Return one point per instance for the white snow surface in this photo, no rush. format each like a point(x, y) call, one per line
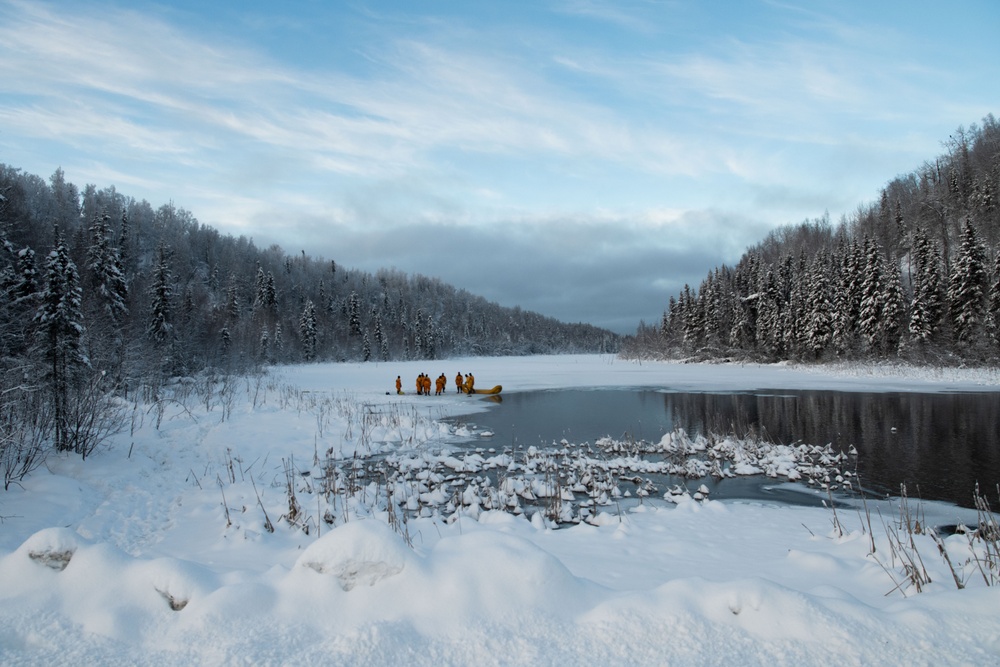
point(155, 550)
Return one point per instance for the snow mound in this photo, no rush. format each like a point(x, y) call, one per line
point(100, 588)
point(499, 575)
point(359, 552)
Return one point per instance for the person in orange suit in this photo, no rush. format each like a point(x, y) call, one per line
point(458, 383)
point(399, 385)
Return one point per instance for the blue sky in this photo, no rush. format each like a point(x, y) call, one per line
point(581, 159)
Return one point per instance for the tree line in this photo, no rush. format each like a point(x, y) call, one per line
point(101, 293)
point(914, 275)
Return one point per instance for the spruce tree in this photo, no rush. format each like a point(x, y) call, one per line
point(819, 326)
point(107, 275)
point(264, 347)
point(260, 290)
point(270, 293)
point(711, 320)
point(925, 306)
point(993, 315)
point(279, 341)
point(872, 296)
point(233, 299)
point(308, 331)
point(892, 309)
point(418, 341)
point(354, 314)
point(60, 334)
point(769, 316)
point(378, 335)
point(24, 286)
point(160, 327)
point(795, 315)
point(841, 335)
point(968, 289)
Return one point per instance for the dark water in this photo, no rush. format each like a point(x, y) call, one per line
point(939, 445)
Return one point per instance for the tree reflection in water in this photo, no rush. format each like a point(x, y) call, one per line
point(939, 445)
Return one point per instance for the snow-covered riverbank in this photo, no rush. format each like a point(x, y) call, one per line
point(182, 543)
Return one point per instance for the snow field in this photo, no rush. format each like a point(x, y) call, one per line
point(132, 558)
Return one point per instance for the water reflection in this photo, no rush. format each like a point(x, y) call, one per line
point(940, 445)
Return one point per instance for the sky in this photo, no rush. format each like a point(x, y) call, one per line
point(580, 159)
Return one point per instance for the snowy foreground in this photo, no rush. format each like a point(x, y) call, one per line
point(180, 545)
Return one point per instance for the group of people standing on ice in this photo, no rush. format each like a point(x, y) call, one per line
point(464, 384)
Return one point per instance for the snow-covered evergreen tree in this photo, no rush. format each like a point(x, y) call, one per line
point(925, 306)
point(264, 347)
point(711, 320)
point(233, 299)
point(741, 333)
point(59, 321)
point(841, 332)
point(795, 316)
point(893, 307)
point(694, 320)
point(125, 252)
point(769, 316)
point(418, 339)
point(270, 293)
point(819, 300)
point(25, 283)
point(160, 327)
point(354, 314)
point(260, 290)
point(380, 343)
point(429, 336)
point(870, 322)
point(308, 331)
point(968, 289)
point(107, 275)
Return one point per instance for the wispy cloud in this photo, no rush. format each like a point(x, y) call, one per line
point(628, 15)
point(146, 78)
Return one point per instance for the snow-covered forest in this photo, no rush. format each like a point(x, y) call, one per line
point(914, 275)
point(101, 295)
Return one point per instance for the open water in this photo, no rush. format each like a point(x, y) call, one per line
point(939, 445)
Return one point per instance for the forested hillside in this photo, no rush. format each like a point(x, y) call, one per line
point(914, 275)
point(101, 294)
